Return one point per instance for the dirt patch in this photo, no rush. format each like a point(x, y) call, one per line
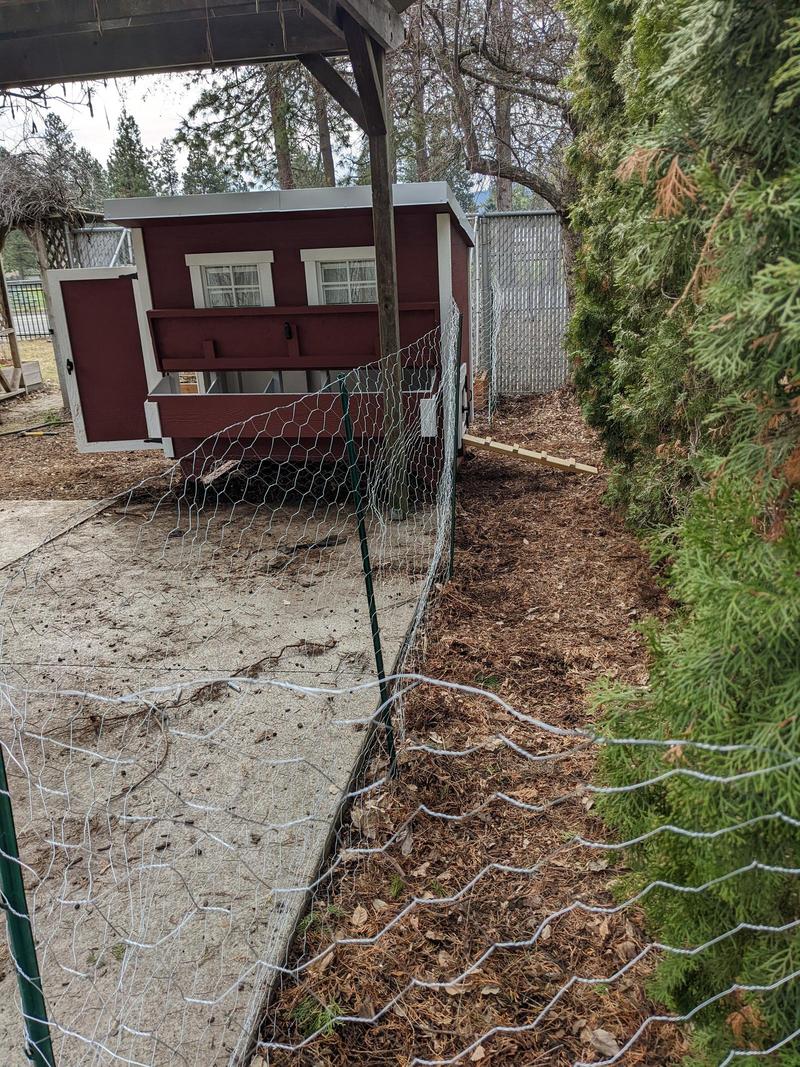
point(112, 796)
point(51, 467)
point(547, 583)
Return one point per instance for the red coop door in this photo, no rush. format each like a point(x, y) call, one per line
point(102, 353)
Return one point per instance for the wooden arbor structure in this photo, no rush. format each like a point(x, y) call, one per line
point(53, 41)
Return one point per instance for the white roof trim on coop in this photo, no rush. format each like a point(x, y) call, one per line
point(142, 208)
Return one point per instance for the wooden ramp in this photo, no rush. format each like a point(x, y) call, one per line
point(486, 444)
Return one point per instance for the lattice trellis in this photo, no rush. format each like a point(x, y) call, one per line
point(56, 245)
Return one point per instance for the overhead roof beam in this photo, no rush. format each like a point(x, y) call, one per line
point(180, 44)
point(339, 89)
point(368, 77)
point(45, 41)
point(74, 16)
point(379, 19)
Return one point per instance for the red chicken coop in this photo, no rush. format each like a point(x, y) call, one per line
point(243, 306)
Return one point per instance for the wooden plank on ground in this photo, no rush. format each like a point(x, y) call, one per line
point(219, 470)
point(544, 459)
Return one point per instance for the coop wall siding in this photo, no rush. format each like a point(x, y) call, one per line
point(167, 244)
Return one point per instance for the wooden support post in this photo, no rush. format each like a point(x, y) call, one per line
point(5, 314)
point(36, 237)
point(367, 59)
point(389, 320)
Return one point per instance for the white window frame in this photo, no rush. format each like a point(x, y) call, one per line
point(195, 261)
point(313, 258)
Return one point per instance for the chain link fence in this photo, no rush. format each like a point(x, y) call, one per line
point(520, 303)
point(100, 246)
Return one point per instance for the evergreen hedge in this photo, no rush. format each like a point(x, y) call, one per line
point(686, 344)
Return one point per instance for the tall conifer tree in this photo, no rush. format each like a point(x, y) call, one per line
point(129, 169)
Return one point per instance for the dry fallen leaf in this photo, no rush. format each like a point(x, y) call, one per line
point(604, 1042)
point(626, 950)
point(322, 965)
point(434, 935)
point(359, 917)
point(490, 990)
point(478, 1055)
point(407, 842)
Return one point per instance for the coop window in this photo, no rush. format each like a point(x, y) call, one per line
point(231, 279)
point(231, 287)
point(348, 281)
point(340, 275)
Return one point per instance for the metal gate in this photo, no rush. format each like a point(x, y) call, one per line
point(520, 302)
point(28, 308)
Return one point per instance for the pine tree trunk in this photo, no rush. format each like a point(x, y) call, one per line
point(502, 121)
point(502, 116)
point(391, 103)
point(418, 121)
point(324, 131)
point(280, 130)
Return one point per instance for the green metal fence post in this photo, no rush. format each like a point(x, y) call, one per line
point(456, 429)
point(20, 933)
point(355, 482)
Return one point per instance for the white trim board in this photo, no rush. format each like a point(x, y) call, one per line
point(411, 194)
point(444, 264)
point(143, 300)
point(312, 257)
point(64, 352)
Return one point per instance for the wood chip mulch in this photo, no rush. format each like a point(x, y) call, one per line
point(52, 468)
point(547, 583)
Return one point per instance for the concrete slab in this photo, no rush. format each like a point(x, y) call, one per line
point(24, 524)
point(161, 833)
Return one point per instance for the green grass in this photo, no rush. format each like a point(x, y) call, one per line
point(318, 920)
point(311, 1017)
point(396, 887)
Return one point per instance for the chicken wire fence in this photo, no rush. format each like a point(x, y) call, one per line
point(240, 840)
point(303, 543)
point(163, 909)
point(520, 303)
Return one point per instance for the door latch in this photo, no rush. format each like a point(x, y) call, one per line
point(70, 367)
